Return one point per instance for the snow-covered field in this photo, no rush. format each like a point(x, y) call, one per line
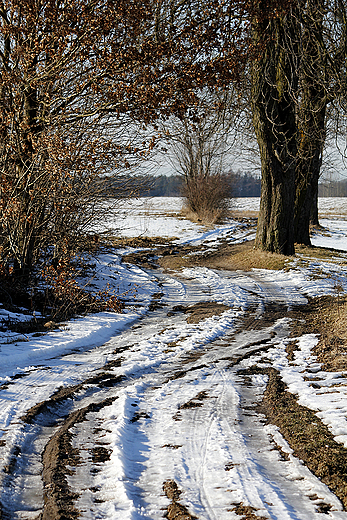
point(176, 411)
point(160, 216)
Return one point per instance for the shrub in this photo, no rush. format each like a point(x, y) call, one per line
point(206, 197)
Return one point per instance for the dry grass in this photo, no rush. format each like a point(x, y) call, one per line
point(238, 214)
point(251, 258)
point(310, 439)
point(326, 316)
point(319, 252)
point(228, 256)
point(140, 241)
point(207, 217)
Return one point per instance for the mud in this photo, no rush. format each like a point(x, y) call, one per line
point(200, 311)
point(196, 402)
point(272, 313)
point(307, 435)
point(105, 379)
point(175, 511)
point(310, 439)
point(247, 512)
point(58, 457)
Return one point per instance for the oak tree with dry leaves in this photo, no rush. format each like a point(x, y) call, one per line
point(79, 80)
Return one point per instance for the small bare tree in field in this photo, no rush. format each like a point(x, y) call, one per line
point(199, 143)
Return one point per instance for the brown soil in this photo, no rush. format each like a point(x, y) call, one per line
point(308, 436)
point(141, 242)
point(175, 511)
point(228, 256)
point(310, 439)
point(200, 311)
point(58, 457)
point(104, 379)
point(246, 512)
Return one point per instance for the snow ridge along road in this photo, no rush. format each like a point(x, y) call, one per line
point(96, 433)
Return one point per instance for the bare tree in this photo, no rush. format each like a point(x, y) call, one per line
point(301, 73)
point(274, 80)
point(323, 45)
point(199, 145)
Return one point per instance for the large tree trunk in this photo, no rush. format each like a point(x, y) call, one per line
point(274, 120)
point(308, 171)
point(314, 220)
point(311, 120)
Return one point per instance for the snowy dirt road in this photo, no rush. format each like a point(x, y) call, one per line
point(97, 433)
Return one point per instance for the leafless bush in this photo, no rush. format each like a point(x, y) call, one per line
point(206, 197)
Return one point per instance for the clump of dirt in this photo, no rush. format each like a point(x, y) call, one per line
point(100, 454)
point(202, 310)
point(196, 402)
point(247, 512)
point(310, 439)
point(156, 303)
point(9, 468)
point(175, 511)
point(291, 347)
point(140, 415)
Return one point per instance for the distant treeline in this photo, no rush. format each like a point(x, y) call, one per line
point(240, 185)
point(333, 188)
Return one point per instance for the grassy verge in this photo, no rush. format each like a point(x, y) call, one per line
point(310, 439)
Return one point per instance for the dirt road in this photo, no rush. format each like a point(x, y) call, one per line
point(164, 419)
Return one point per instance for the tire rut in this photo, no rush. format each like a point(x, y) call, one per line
point(103, 380)
point(58, 455)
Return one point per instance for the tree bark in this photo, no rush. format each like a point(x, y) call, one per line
point(314, 220)
point(307, 177)
point(311, 120)
point(274, 120)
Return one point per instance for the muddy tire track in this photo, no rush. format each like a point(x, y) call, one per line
point(175, 511)
point(58, 455)
point(62, 453)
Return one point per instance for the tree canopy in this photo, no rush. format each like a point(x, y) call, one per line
point(79, 79)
